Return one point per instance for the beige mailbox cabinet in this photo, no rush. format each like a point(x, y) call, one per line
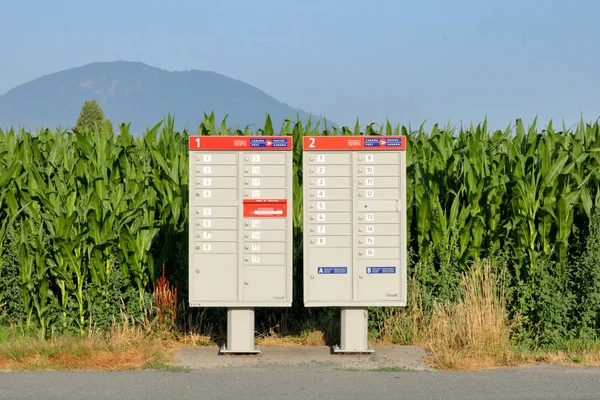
point(354, 196)
point(240, 236)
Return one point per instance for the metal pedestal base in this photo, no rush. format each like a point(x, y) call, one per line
point(240, 332)
point(354, 331)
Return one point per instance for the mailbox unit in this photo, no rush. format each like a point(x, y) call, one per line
point(354, 202)
point(240, 235)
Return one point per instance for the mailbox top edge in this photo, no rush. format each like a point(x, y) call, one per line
point(354, 143)
point(240, 143)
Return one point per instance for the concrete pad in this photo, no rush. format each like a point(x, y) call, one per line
point(396, 357)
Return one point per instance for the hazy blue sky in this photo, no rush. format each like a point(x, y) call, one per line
point(408, 61)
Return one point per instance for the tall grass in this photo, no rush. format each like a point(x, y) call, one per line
point(86, 219)
point(474, 328)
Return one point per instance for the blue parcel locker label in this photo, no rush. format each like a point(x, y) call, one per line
point(332, 270)
point(381, 270)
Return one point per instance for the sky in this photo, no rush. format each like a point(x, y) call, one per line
point(410, 62)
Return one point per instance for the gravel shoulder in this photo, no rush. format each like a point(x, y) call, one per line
point(388, 357)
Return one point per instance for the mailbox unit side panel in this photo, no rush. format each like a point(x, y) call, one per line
point(289, 237)
point(403, 231)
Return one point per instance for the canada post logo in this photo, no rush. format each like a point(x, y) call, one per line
point(383, 142)
point(269, 143)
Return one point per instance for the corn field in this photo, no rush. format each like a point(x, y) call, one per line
point(88, 220)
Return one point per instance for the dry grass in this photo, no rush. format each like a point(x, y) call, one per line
point(125, 347)
point(472, 332)
point(306, 338)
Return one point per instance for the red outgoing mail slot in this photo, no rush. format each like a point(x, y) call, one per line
point(265, 208)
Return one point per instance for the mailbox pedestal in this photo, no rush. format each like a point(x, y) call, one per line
point(240, 232)
point(354, 205)
point(240, 331)
point(354, 331)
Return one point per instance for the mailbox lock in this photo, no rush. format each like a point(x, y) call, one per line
point(360, 229)
point(360, 182)
point(360, 218)
point(197, 181)
point(246, 283)
point(197, 223)
point(312, 170)
point(312, 195)
point(359, 158)
point(246, 158)
point(312, 159)
point(312, 229)
point(246, 170)
point(311, 206)
point(246, 236)
point(198, 212)
point(312, 182)
point(360, 276)
point(360, 242)
point(246, 247)
point(245, 194)
point(360, 171)
point(197, 235)
point(246, 182)
point(197, 247)
point(360, 253)
point(359, 194)
point(312, 242)
point(312, 277)
point(197, 194)
point(197, 271)
point(246, 224)
point(311, 218)
point(246, 259)
point(197, 158)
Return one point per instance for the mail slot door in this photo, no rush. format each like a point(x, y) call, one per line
point(252, 158)
point(380, 229)
point(264, 236)
point(217, 211)
point(378, 171)
point(377, 158)
point(260, 193)
point(216, 158)
point(215, 171)
point(329, 182)
point(264, 170)
point(330, 205)
point(265, 223)
point(378, 182)
point(329, 170)
point(329, 194)
point(329, 218)
point(330, 241)
point(264, 182)
point(330, 229)
point(328, 158)
point(225, 182)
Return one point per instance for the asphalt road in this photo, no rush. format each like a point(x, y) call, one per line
point(306, 382)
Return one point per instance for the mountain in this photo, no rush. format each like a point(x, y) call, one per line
point(142, 95)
